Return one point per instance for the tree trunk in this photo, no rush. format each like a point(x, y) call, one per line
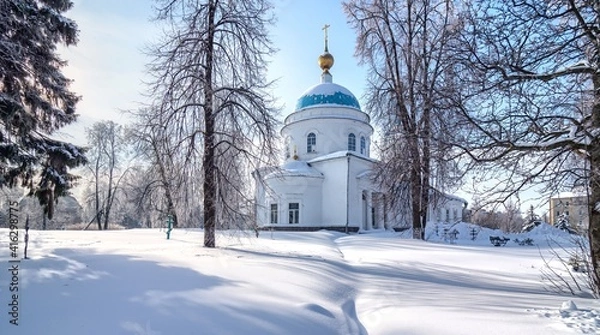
point(108, 200)
point(97, 197)
point(111, 153)
point(208, 162)
point(425, 169)
point(415, 198)
point(165, 184)
point(594, 217)
point(594, 200)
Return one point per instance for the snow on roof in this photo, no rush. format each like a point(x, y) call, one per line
point(327, 94)
point(295, 169)
point(449, 196)
point(365, 174)
point(339, 154)
point(563, 195)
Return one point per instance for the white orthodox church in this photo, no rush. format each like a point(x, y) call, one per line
point(325, 181)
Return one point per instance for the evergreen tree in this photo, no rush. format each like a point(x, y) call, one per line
point(35, 99)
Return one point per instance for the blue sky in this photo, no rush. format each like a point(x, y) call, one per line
point(107, 65)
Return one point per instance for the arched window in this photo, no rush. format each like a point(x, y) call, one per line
point(287, 147)
point(363, 145)
point(351, 142)
point(311, 142)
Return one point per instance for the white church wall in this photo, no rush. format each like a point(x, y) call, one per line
point(306, 191)
point(261, 205)
point(334, 191)
point(358, 167)
point(331, 125)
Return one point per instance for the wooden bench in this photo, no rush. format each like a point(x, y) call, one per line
point(499, 241)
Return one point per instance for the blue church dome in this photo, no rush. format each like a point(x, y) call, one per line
point(327, 94)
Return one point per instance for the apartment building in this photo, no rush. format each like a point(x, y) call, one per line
point(572, 205)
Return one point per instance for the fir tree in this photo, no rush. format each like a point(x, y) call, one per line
point(35, 99)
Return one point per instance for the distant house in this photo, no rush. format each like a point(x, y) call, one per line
point(446, 208)
point(571, 205)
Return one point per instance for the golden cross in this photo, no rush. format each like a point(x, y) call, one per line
point(325, 27)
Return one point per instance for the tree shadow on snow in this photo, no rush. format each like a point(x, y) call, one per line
point(86, 292)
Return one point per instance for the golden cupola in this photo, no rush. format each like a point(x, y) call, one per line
point(326, 59)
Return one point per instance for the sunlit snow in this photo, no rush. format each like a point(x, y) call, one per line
point(138, 282)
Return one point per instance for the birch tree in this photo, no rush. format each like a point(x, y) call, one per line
point(533, 103)
point(405, 45)
point(210, 82)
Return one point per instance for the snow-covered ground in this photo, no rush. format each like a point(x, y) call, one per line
point(137, 282)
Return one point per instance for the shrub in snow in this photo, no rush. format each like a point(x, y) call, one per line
point(563, 224)
point(526, 241)
point(568, 306)
point(577, 263)
point(529, 227)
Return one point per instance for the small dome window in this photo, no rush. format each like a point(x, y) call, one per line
point(351, 142)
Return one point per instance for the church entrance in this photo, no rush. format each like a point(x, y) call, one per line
point(372, 214)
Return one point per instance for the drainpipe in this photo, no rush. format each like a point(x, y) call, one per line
point(347, 192)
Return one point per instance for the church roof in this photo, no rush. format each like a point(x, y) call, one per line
point(327, 94)
point(295, 168)
point(339, 154)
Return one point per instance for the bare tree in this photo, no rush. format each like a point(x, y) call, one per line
point(171, 178)
point(533, 98)
point(107, 146)
point(405, 44)
point(505, 216)
point(210, 82)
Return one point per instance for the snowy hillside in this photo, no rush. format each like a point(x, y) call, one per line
point(137, 282)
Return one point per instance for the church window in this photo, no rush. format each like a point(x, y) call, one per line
point(294, 212)
point(351, 142)
point(363, 145)
point(274, 213)
point(447, 215)
point(311, 142)
point(287, 147)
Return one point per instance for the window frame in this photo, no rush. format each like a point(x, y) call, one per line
point(351, 142)
point(311, 142)
point(274, 213)
point(293, 213)
point(363, 145)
